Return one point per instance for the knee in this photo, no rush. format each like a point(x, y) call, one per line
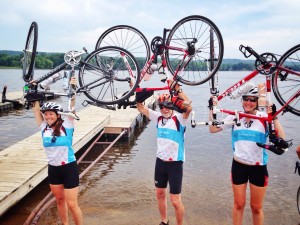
point(60, 200)
point(256, 208)
point(239, 205)
point(160, 194)
point(72, 205)
point(176, 202)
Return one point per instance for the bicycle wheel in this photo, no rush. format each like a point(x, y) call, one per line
point(209, 47)
point(109, 75)
point(285, 85)
point(129, 38)
point(30, 52)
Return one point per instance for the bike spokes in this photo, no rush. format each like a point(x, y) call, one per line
point(286, 80)
point(107, 74)
point(203, 43)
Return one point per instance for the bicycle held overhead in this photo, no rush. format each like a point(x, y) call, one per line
point(281, 76)
point(189, 53)
point(107, 65)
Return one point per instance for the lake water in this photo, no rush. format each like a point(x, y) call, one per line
point(120, 190)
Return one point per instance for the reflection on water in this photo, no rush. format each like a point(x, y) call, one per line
point(120, 190)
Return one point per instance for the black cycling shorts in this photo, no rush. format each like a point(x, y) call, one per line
point(171, 172)
point(67, 175)
point(241, 173)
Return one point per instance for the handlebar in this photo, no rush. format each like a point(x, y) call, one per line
point(70, 114)
point(213, 122)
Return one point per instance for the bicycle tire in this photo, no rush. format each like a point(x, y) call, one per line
point(129, 38)
point(198, 70)
point(284, 84)
point(105, 78)
point(28, 60)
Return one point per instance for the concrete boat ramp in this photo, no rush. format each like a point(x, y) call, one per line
point(23, 165)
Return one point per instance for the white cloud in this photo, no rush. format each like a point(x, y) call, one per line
point(271, 25)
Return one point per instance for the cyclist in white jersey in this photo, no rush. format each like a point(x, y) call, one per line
point(170, 150)
point(63, 176)
point(249, 161)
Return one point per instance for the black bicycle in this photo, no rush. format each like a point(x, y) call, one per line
point(101, 71)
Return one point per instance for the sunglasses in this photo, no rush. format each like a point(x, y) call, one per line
point(246, 99)
point(167, 105)
point(161, 106)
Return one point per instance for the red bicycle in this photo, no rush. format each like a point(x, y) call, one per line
point(190, 53)
point(282, 76)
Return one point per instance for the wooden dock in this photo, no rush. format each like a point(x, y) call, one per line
point(23, 165)
point(7, 106)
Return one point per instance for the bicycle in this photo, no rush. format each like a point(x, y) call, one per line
point(105, 65)
point(282, 75)
point(297, 168)
point(192, 51)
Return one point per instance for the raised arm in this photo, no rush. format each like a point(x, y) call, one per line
point(37, 113)
point(277, 124)
point(73, 82)
point(279, 128)
point(142, 109)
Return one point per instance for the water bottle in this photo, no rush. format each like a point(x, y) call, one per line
point(46, 83)
point(150, 71)
point(242, 90)
point(262, 103)
point(66, 80)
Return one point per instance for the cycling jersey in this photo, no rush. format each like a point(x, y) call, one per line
point(170, 136)
point(59, 150)
point(244, 138)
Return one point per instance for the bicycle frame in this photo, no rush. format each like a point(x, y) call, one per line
point(268, 95)
point(153, 59)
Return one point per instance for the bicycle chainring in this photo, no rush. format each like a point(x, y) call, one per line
point(269, 67)
point(71, 58)
point(155, 45)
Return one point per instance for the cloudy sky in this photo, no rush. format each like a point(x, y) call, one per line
point(265, 25)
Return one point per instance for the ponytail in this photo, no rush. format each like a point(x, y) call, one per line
point(58, 125)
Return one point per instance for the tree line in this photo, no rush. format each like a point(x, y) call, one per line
point(51, 60)
point(42, 60)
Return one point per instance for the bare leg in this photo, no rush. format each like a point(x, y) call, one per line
point(239, 194)
point(179, 208)
point(162, 203)
point(257, 195)
point(72, 203)
point(58, 192)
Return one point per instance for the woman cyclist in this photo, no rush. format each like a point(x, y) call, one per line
point(57, 135)
point(249, 160)
point(170, 150)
